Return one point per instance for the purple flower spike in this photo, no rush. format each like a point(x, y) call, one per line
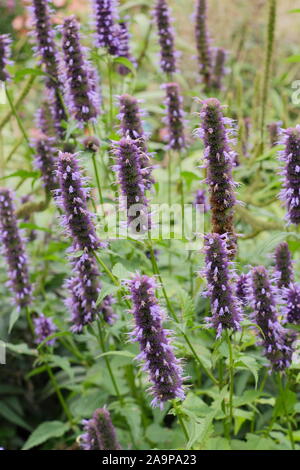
point(80, 77)
point(45, 161)
point(132, 183)
point(132, 126)
point(291, 173)
point(45, 119)
point(219, 68)
point(292, 308)
point(219, 162)
point(72, 197)
point(13, 250)
point(44, 327)
point(201, 200)
point(175, 116)
point(275, 339)
point(107, 311)
point(99, 432)
point(166, 37)
point(105, 12)
point(124, 49)
point(274, 132)
point(203, 43)
point(5, 54)
point(242, 288)
point(156, 349)
point(284, 265)
point(85, 288)
point(47, 50)
point(226, 312)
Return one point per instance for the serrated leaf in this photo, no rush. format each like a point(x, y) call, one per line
point(106, 289)
point(120, 271)
point(44, 432)
point(14, 316)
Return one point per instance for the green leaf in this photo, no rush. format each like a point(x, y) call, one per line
point(120, 271)
point(106, 289)
point(30, 226)
point(293, 59)
point(25, 174)
point(127, 63)
point(21, 348)
point(11, 416)
point(46, 431)
point(117, 353)
point(14, 316)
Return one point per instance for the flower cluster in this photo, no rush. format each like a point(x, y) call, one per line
point(242, 288)
point(201, 200)
point(291, 173)
point(219, 162)
point(5, 54)
point(203, 43)
point(219, 68)
point(105, 12)
point(292, 308)
point(45, 160)
point(132, 183)
point(275, 339)
point(13, 250)
point(44, 327)
point(284, 265)
point(226, 311)
point(99, 432)
point(174, 118)
point(166, 37)
point(156, 349)
point(274, 132)
point(107, 311)
point(45, 119)
point(72, 197)
point(80, 78)
point(124, 49)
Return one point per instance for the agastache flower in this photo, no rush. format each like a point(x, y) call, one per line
point(226, 311)
point(175, 115)
point(284, 265)
point(277, 341)
point(45, 161)
point(219, 68)
point(47, 50)
point(14, 251)
point(132, 183)
point(219, 163)
point(291, 173)
point(132, 126)
point(107, 310)
point(99, 432)
point(5, 53)
point(124, 49)
point(84, 288)
point(291, 310)
point(106, 14)
point(44, 327)
point(166, 37)
point(203, 43)
point(45, 119)
point(80, 77)
point(72, 197)
point(201, 200)
point(274, 132)
point(157, 351)
point(242, 288)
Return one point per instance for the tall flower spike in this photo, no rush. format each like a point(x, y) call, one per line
point(166, 37)
point(284, 265)
point(44, 327)
point(124, 49)
point(105, 12)
point(242, 288)
point(225, 306)
point(107, 311)
point(132, 183)
point(84, 288)
point(291, 173)
point(99, 432)
point(174, 118)
point(156, 349)
point(201, 200)
point(132, 126)
point(80, 78)
point(219, 68)
point(47, 50)
point(13, 250)
point(219, 162)
point(275, 339)
point(45, 161)
point(45, 119)
point(203, 43)
point(5, 54)
point(72, 197)
point(291, 310)
point(274, 132)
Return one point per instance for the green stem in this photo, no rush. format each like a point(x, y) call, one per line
point(182, 424)
point(282, 392)
point(231, 378)
point(29, 320)
point(21, 97)
point(59, 394)
point(15, 114)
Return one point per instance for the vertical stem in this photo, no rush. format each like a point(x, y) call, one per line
point(59, 394)
point(231, 375)
point(15, 114)
point(282, 393)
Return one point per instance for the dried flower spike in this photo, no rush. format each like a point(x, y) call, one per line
point(156, 348)
point(13, 250)
point(225, 306)
point(44, 327)
point(203, 43)
point(45, 161)
point(80, 78)
point(291, 173)
point(5, 54)
point(284, 265)
point(219, 68)
point(72, 197)
point(275, 339)
point(99, 432)
point(166, 37)
point(174, 118)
